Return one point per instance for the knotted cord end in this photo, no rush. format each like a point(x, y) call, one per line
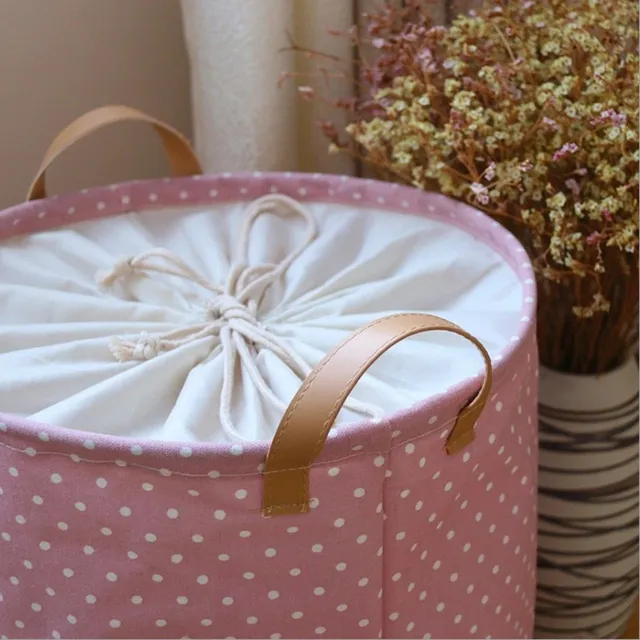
point(122, 268)
point(145, 347)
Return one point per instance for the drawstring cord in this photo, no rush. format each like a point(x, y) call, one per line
point(231, 313)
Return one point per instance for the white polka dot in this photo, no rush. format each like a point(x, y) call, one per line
point(447, 487)
point(440, 607)
point(249, 575)
point(339, 522)
point(236, 450)
point(379, 461)
point(101, 482)
point(89, 444)
point(219, 514)
point(125, 512)
point(206, 622)
point(436, 565)
point(161, 623)
point(13, 472)
point(43, 436)
point(317, 548)
point(44, 545)
point(197, 538)
point(136, 450)
point(341, 607)
point(359, 493)
point(453, 577)
point(27, 564)
point(396, 576)
point(202, 579)
point(37, 500)
point(320, 630)
point(91, 599)
point(227, 601)
point(498, 406)
point(105, 531)
point(150, 537)
point(341, 566)
point(80, 506)
point(137, 599)
point(132, 555)
point(172, 514)
point(295, 572)
point(176, 558)
point(363, 623)
point(213, 474)
point(241, 494)
point(361, 539)
point(410, 447)
point(401, 536)
point(114, 624)
point(13, 580)
point(423, 596)
point(405, 493)
point(111, 577)
point(56, 478)
point(88, 550)
point(252, 620)
point(481, 558)
point(147, 486)
point(296, 615)
point(182, 600)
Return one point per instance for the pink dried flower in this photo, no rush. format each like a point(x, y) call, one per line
point(574, 186)
point(612, 116)
point(378, 43)
point(594, 237)
point(490, 171)
point(549, 122)
point(606, 214)
point(481, 193)
point(566, 150)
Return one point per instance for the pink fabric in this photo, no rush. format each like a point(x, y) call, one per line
point(104, 537)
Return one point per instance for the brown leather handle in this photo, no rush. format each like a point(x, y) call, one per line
point(305, 425)
point(181, 156)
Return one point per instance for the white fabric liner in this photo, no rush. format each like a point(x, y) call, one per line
point(57, 324)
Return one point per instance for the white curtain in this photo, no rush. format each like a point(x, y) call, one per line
point(242, 119)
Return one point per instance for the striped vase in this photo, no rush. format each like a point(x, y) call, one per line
point(588, 503)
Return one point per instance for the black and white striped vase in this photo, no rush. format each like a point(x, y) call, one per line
point(588, 503)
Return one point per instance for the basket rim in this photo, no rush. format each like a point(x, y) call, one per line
point(135, 196)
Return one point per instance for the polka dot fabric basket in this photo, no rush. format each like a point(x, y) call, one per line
point(184, 451)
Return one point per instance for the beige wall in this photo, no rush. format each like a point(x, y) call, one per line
point(59, 58)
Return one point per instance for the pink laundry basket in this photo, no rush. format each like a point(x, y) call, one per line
point(420, 524)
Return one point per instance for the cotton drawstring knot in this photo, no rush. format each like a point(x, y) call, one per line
point(230, 312)
point(225, 308)
point(122, 268)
